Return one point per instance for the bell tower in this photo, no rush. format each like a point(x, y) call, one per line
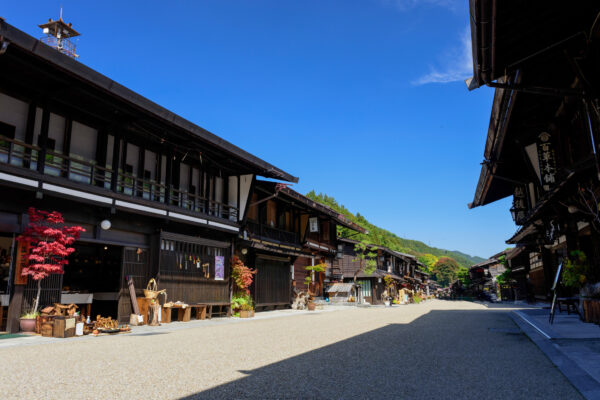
point(58, 35)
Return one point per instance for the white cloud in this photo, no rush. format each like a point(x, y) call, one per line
point(457, 67)
point(404, 5)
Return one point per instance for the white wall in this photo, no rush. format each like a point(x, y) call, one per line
point(219, 189)
point(245, 183)
point(150, 163)
point(56, 131)
point(83, 141)
point(14, 112)
point(110, 145)
point(184, 176)
point(133, 157)
point(232, 193)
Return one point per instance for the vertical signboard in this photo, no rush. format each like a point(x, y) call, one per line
point(21, 262)
point(547, 160)
point(219, 268)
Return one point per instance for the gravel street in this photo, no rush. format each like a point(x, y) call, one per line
point(436, 350)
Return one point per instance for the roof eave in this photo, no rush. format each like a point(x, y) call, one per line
point(89, 76)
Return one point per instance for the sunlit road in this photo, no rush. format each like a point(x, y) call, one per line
point(436, 350)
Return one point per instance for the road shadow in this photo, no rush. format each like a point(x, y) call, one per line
point(441, 355)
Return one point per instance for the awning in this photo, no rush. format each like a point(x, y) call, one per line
point(340, 288)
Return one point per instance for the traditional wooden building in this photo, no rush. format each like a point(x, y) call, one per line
point(158, 195)
point(401, 267)
point(282, 234)
point(542, 141)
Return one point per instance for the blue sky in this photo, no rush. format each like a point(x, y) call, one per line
point(362, 99)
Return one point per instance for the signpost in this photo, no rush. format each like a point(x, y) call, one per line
point(555, 290)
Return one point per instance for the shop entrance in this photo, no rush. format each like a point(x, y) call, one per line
point(272, 285)
point(92, 279)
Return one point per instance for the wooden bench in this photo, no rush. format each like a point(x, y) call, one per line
point(218, 308)
point(184, 314)
point(200, 310)
point(570, 303)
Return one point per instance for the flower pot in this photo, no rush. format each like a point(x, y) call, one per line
point(387, 303)
point(27, 324)
point(311, 306)
point(246, 313)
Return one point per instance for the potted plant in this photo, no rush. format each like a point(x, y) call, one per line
point(242, 276)
point(241, 302)
point(49, 241)
point(27, 322)
point(576, 274)
point(246, 311)
point(389, 288)
point(310, 280)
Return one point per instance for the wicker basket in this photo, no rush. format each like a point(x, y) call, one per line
point(151, 291)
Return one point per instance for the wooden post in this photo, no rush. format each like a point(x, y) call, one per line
point(43, 141)
point(29, 133)
point(67, 147)
point(114, 179)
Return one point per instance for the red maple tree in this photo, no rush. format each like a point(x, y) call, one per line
point(49, 240)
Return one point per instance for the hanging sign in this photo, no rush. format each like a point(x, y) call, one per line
point(219, 268)
point(547, 160)
point(21, 262)
point(313, 224)
point(519, 203)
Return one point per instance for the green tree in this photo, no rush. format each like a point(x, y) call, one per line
point(429, 260)
point(445, 270)
point(366, 254)
point(463, 275)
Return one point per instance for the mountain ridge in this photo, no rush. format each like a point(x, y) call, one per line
point(383, 237)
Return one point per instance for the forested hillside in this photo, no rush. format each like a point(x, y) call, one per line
point(388, 239)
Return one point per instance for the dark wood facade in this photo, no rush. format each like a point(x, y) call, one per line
point(401, 267)
point(293, 232)
point(542, 141)
point(74, 141)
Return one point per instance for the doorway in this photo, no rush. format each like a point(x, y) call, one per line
point(94, 269)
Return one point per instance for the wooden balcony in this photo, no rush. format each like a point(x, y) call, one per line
point(273, 234)
point(24, 156)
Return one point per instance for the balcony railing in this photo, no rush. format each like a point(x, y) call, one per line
point(16, 153)
point(268, 232)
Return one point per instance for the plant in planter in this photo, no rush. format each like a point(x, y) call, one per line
point(576, 270)
point(247, 311)
point(389, 288)
point(49, 242)
point(241, 301)
point(310, 280)
point(576, 274)
point(242, 277)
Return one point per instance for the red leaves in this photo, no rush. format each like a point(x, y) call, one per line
point(242, 275)
point(49, 239)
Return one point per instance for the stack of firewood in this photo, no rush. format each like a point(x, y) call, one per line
point(60, 309)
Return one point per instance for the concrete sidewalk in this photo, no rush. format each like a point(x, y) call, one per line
point(572, 345)
point(145, 330)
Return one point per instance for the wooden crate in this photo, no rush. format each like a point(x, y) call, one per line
point(64, 327)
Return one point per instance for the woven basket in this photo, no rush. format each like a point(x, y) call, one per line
point(151, 291)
